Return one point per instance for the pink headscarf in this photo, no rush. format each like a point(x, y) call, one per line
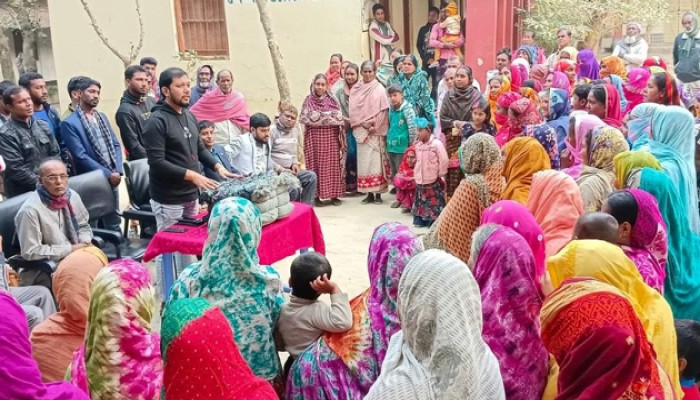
point(505, 100)
point(560, 81)
point(636, 83)
point(516, 78)
point(585, 124)
point(215, 106)
point(366, 101)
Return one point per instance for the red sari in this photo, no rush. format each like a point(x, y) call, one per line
point(613, 108)
point(404, 182)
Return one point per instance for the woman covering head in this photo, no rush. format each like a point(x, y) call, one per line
point(253, 303)
point(568, 53)
point(439, 353)
point(634, 87)
point(521, 112)
point(559, 110)
point(555, 202)
point(588, 67)
point(608, 263)
point(580, 336)
point(576, 142)
point(201, 359)
point(523, 158)
point(20, 376)
point(548, 139)
point(642, 233)
point(55, 339)
point(504, 268)
point(516, 77)
point(325, 143)
point(346, 365)
point(604, 103)
point(568, 68)
point(628, 166)
point(560, 81)
point(515, 216)
point(539, 73)
point(416, 89)
point(481, 162)
point(529, 52)
point(503, 135)
point(612, 65)
point(333, 74)
point(662, 89)
point(618, 83)
point(120, 357)
point(404, 181)
point(494, 94)
point(341, 91)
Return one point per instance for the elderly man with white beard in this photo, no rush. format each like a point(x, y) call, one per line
point(205, 74)
point(633, 49)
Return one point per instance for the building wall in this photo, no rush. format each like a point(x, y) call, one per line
point(308, 31)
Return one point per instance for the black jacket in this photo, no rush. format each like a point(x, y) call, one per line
point(423, 41)
point(132, 114)
point(173, 146)
point(24, 147)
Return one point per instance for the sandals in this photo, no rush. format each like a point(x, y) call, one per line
point(336, 202)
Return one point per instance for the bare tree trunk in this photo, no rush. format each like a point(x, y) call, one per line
point(277, 62)
point(29, 49)
point(6, 66)
point(129, 59)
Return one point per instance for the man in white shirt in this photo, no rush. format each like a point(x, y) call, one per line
point(633, 49)
point(563, 40)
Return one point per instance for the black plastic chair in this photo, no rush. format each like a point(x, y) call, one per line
point(137, 186)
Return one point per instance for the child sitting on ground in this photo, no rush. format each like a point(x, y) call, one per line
point(304, 318)
point(597, 225)
point(451, 25)
point(405, 183)
point(429, 174)
point(480, 121)
point(688, 333)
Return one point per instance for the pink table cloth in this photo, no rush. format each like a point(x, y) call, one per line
point(280, 239)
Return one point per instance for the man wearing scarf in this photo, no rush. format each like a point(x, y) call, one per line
point(52, 222)
point(381, 35)
point(134, 110)
point(686, 54)
point(205, 73)
point(91, 140)
point(633, 49)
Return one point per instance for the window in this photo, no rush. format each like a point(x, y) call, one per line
point(201, 26)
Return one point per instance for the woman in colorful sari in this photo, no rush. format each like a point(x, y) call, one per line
point(498, 86)
point(596, 180)
point(618, 83)
point(345, 365)
point(597, 339)
point(580, 127)
point(521, 112)
point(642, 233)
point(439, 353)
point(404, 182)
point(201, 359)
point(568, 68)
point(559, 109)
point(481, 162)
point(548, 139)
point(515, 76)
point(416, 89)
point(635, 86)
point(612, 65)
point(341, 91)
point(604, 103)
point(504, 267)
point(669, 134)
point(325, 146)
point(662, 89)
point(56, 339)
point(555, 202)
point(523, 158)
point(120, 358)
point(588, 67)
point(253, 303)
point(20, 376)
point(609, 264)
point(628, 167)
point(559, 80)
point(456, 112)
point(568, 53)
point(369, 120)
point(539, 73)
point(502, 118)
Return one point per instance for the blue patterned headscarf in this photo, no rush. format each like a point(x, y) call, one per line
point(559, 109)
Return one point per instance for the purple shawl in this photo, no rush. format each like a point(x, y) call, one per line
point(588, 66)
point(345, 365)
point(511, 303)
point(19, 374)
point(648, 243)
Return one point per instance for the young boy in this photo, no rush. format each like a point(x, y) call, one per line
point(688, 333)
point(597, 225)
point(206, 132)
point(305, 318)
point(429, 173)
point(402, 127)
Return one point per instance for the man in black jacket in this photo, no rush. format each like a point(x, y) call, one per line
point(427, 54)
point(24, 143)
point(134, 110)
point(174, 150)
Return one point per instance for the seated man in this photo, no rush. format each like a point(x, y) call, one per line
point(206, 132)
point(287, 151)
point(36, 301)
point(52, 223)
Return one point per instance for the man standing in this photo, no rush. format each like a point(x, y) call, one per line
point(4, 108)
point(563, 40)
point(686, 56)
point(134, 110)
point(24, 143)
point(74, 93)
point(93, 144)
point(174, 150)
point(151, 66)
point(204, 75)
point(381, 35)
point(427, 53)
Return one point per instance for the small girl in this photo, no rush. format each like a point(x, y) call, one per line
point(429, 174)
point(405, 183)
point(480, 121)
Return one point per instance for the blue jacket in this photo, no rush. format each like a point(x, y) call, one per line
point(221, 156)
point(79, 146)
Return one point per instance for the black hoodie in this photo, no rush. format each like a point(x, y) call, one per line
point(132, 114)
point(173, 146)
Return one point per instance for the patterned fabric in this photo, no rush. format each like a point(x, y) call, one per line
point(121, 355)
point(639, 124)
point(429, 201)
point(609, 264)
point(613, 106)
point(560, 80)
point(588, 323)
point(555, 201)
point(606, 143)
point(373, 169)
point(617, 82)
point(526, 113)
point(453, 141)
point(404, 182)
point(345, 365)
point(439, 353)
point(559, 110)
point(523, 158)
point(539, 72)
point(515, 216)
point(483, 184)
point(505, 88)
point(416, 91)
point(201, 360)
point(547, 137)
point(252, 300)
point(595, 186)
point(648, 247)
point(510, 298)
point(613, 65)
point(99, 135)
point(585, 124)
point(62, 203)
point(503, 135)
point(19, 376)
point(628, 161)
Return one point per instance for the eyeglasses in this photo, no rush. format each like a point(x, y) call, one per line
point(56, 178)
point(562, 36)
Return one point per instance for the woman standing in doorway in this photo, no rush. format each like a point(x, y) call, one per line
point(369, 110)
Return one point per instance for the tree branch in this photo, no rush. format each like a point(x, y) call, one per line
point(134, 53)
point(277, 64)
point(101, 35)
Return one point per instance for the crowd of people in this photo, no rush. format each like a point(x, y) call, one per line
point(561, 205)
